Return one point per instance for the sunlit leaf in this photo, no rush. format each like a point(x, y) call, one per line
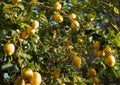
point(115, 26)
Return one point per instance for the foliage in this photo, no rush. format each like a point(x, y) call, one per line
point(55, 44)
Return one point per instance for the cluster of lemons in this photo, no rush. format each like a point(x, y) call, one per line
point(106, 52)
point(9, 48)
point(28, 77)
point(92, 73)
point(59, 18)
point(30, 30)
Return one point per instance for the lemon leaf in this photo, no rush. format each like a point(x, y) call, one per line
point(116, 10)
point(115, 26)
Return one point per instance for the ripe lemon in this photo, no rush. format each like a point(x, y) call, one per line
point(72, 16)
point(69, 47)
point(16, 1)
point(30, 31)
point(92, 72)
point(80, 40)
point(57, 17)
point(96, 45)
point(27, 74)
point(36, 79)
point(57, 6)
point(100, 53)
point(56, 73)
point(96, 80)
point(63, 84)
point(27, 84)
point(110, 60)
point(35, 24)
point(19, 81)
point(9, 48)
point(76, 61)
point(73, 53)
point(75, 25)
point(24, 35)
point(107, 50)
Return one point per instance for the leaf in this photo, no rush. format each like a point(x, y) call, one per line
point(116, 10)
point(115, 26)
point(117, 39)
point(74, 2)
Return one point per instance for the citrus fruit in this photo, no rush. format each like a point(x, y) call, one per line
point(27, 74)
point(36, 79)
point(72, 16)
point(110, 60)
point(76, 61)
point(96, 80)
point(35, 24)
point(9, 48)
point(80, 40)
point(16, 1)
point(19, 81)
point(30, 31)
point(96, 45)
point(75, 25)
point(24, 35)
point(100, 53)
point(92, 72)
point(56, 73)
point(57, 6)
point(107, 50)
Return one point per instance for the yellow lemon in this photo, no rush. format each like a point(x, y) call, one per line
point(56, 73)
point(107, 50)
point(110, 60)
point(80, 40)
point(100, 53)
point(19, 81)
point(57, 6)
point(75, 25)
point(96, 45)
point(36, 79)
point(16, 1)
point(92, 72)
point(24, 35)
point(57, 17)
point(35, 24)
point(9, 48)
point(96, 80)
point(30, 31)
point(27, 74)
point(76, 61)
point(72, 16)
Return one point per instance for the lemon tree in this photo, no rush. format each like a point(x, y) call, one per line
point(59, 42)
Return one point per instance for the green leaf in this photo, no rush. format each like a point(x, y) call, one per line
point(74, 2)
point(115, 26)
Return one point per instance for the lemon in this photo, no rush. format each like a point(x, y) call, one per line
point(16, 1)
point(35, 24)
point(63, 84)
point(80, 40)
point(36, 79)
point(107, 50)
point(24, 35)
point(76, 61)
point(110, 60)
point(9, 48)
point(27, 74)
point(56, 73)
point(96, 45)
point(96, 80)
point(57, 6)
point(30, 31)
point(27, 84)
point(75, 25)
point(100, 53)
point(72, 16)
point(57, 17)
point(92, 72)
point(19, 81)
